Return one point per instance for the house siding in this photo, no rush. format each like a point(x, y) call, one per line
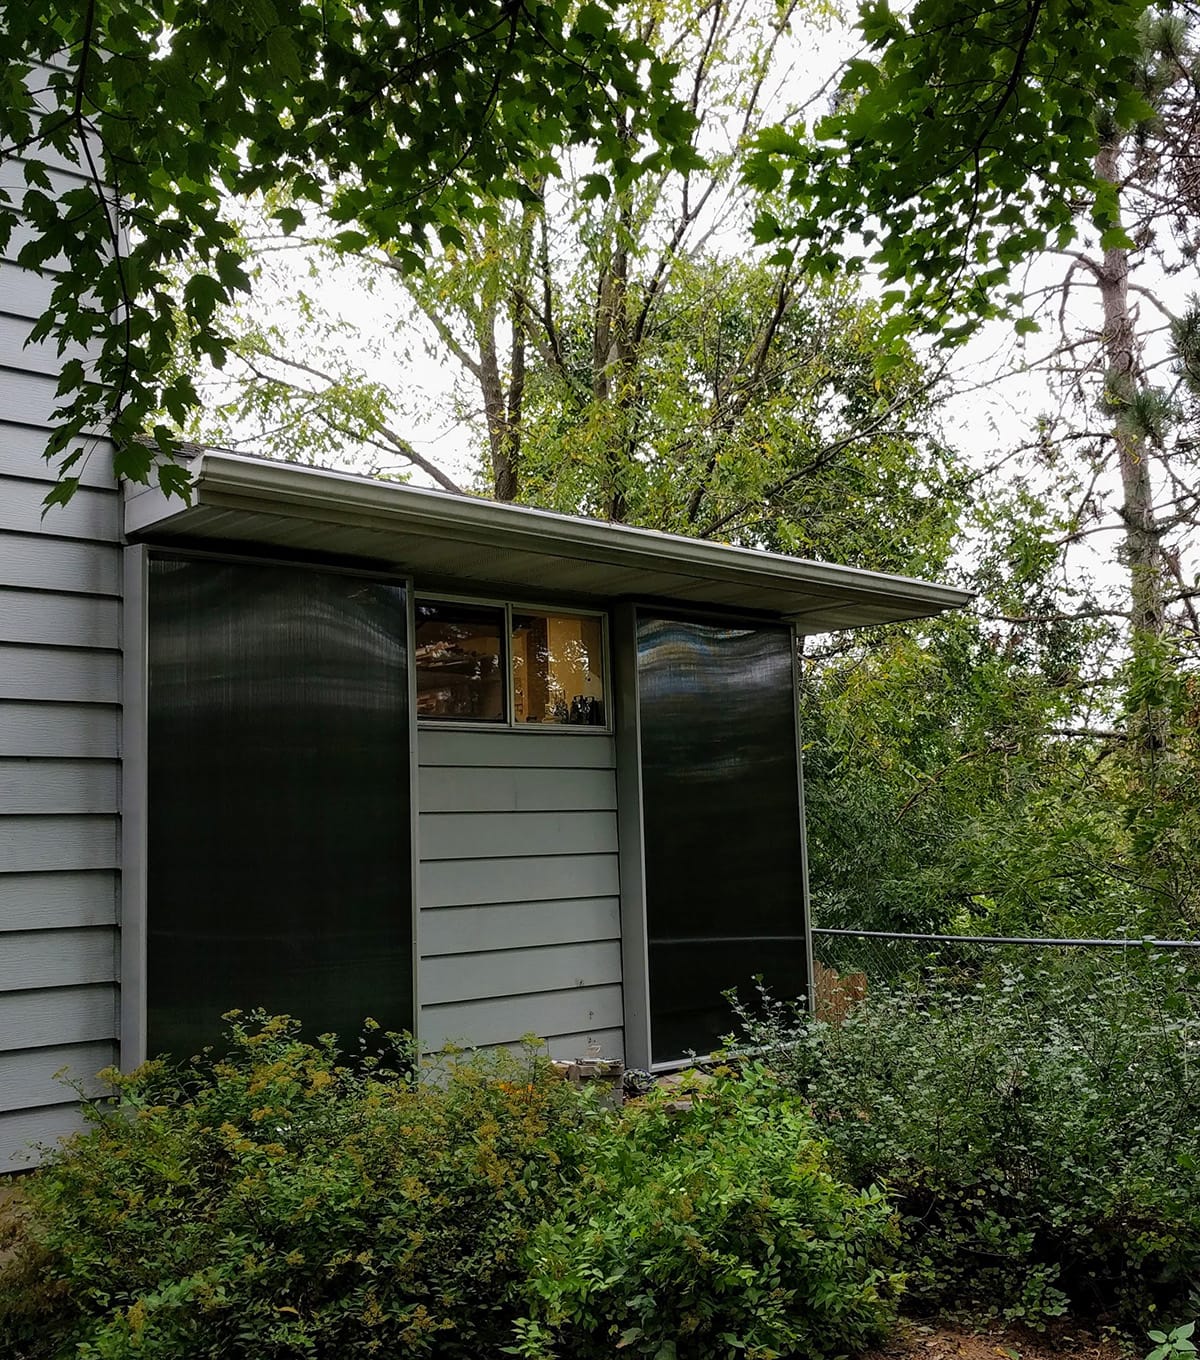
point(519, 913)
point(60, 690)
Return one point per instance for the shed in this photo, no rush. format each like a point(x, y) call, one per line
point(342, 747)
point(346, 748)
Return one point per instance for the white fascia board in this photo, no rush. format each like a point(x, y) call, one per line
point(236, 482)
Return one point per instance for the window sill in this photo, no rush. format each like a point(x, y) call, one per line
point(466, 725)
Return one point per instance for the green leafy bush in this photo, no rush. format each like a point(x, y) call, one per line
point(715, 1232)
point(282, 1203)
point(1175, 1345)
point(1042, 1144)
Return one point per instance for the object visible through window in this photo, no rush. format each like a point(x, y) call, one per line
point(558, 669)
point(460, 662)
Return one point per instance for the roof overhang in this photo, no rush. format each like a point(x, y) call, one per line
point(513, 550)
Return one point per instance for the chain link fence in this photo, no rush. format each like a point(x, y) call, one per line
point(850, 965)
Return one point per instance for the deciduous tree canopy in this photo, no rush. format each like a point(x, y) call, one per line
point(1032, 764)
point(401, 122)
point(958, 144)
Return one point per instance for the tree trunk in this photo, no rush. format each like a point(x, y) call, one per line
point(503, 403)
point(502, 436)
point(611, 363)
point(1142, 546)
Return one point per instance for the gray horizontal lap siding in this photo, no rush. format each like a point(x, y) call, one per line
point(519, 921)
point(60, 689)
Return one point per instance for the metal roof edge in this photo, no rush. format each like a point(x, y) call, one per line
point(249, 483)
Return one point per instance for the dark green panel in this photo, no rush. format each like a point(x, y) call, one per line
point(721, 810)
point(279, 807)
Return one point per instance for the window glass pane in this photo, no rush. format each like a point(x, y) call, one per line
point(558, 669)
point(460, 655)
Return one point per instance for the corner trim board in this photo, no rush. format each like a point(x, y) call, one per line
point(635, 952)
point(131, 943)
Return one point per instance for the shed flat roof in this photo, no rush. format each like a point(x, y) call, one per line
point(510, 549)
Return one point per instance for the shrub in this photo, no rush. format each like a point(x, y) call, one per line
point(281, 1202)
point(1041, 1144)
point(715, 1232)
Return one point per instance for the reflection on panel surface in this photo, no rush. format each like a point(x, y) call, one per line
point(721, 814)
point(279, 829)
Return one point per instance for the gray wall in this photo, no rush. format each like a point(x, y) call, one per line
point(60, 689)
point(518, 927)
point(519, 921)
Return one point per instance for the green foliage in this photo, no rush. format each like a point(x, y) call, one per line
point(713, 1232)
point(1160, 811)
point(281, 1202)
point(296, 379)
point(984, 772)
point(958, 147)
point(614, 363)
point(988, 777)
point(935, 797)
point(420, 117)
point(1174, 1345)
point(1037, 1128)
point(749, 410)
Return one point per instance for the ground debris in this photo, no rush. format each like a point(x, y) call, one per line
point(919, 1340)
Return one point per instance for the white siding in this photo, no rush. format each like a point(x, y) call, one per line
point(60, 674)
point(519, 920)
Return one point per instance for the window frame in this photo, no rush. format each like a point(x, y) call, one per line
point(509, 722)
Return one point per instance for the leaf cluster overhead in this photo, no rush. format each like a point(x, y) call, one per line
point(399, 122)
point(959, 144)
